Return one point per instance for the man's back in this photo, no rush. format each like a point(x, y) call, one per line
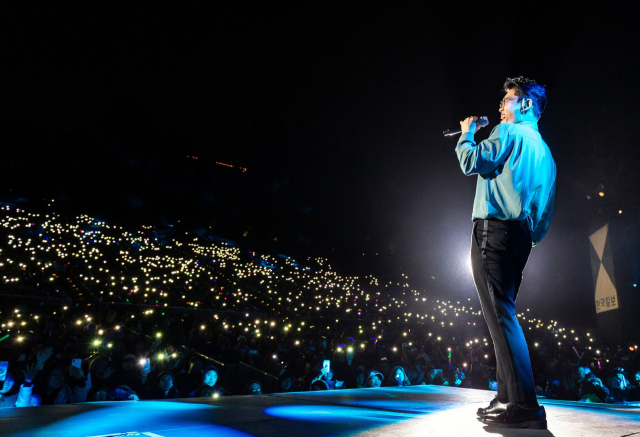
point(516, 175)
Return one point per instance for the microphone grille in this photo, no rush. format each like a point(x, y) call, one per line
point(482, 121)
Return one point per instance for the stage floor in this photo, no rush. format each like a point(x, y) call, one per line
point(411, 411)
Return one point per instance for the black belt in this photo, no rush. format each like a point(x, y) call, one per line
point(493, 219)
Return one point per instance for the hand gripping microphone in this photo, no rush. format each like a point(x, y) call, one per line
point(481, 121)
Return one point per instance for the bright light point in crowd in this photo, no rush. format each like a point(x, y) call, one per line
point(349, 350)
point(79, 322)
point(20, 338)
point(215, 395)
point(117, 327)
point(142, 362)
point(201, 326)
point(110, 345)
point(160, 356)
point(96, 342)
point(158, 335)
point(339, 349)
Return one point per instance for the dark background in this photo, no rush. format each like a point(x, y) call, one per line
point(336, 112)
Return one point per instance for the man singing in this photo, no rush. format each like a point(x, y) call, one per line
point(511, 213)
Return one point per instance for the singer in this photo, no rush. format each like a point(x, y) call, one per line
point(511, 213)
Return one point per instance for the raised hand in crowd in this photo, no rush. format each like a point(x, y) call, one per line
point(30, 373)
point(43, 356)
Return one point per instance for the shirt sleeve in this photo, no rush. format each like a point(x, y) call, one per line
point(485, 157)
point(24, 396)
point(542, 227)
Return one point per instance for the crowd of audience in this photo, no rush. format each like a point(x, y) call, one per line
point(93, 312)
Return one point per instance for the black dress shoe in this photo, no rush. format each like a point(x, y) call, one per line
point(495, 406)
point(517, 416)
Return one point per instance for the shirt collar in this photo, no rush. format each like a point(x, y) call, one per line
point(532, 124)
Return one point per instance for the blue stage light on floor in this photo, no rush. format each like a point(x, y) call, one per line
point(335, 415)
point(145, 418)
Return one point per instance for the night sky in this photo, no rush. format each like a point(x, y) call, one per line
point(336, 112)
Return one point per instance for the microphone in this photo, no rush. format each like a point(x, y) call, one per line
point(481, 121)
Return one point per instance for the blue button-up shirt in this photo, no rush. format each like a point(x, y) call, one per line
point(516, 175)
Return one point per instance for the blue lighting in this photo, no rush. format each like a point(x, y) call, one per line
point(336, 415)
point(161, 418)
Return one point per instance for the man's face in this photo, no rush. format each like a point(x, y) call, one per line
point(509, 106)
point(166, 382)
point(56, 379)
point(374, 382)
point(210, 378)
point(286, 383)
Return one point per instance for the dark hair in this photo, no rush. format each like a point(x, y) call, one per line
point(528, 89)
point(209, 369)
point(204, 391)
point(159, 377)
point(319, 384)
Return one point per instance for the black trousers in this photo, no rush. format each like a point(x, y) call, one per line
point(499, 253)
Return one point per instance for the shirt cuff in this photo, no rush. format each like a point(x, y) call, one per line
point(466, 137)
